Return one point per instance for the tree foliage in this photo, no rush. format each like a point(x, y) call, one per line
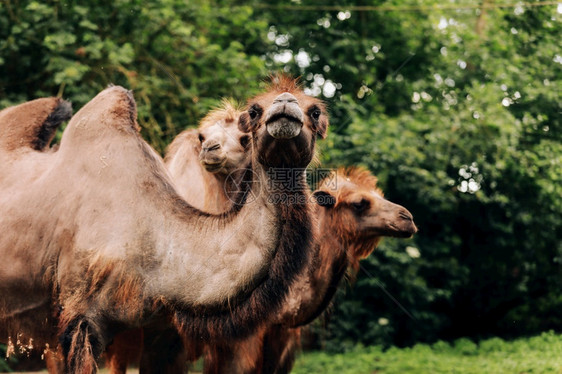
point(457, 111)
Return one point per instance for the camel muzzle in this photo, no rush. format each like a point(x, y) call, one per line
point(284, 119)
point(284, 128)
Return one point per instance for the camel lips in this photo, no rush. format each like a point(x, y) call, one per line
point(284, 127)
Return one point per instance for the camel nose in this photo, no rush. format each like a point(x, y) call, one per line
point(285, 97)
point(210, 145)
point(410, 226)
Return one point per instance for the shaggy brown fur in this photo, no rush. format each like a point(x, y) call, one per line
point(353, 218)
point(104, 199)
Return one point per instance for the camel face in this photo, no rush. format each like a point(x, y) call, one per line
point(285, 123)
point(377, 216)
point(223, 146)
point(361, 208)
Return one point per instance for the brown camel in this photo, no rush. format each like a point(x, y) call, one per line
point(181, 160)
point(353, 218)
point(202, 163)
point(97, 238)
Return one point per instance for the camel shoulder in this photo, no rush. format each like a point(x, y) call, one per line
point(33, 124)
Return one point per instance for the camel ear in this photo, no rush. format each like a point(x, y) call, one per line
point(324, 199)
point(244, 123)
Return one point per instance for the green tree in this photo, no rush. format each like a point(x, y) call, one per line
point(179, 58)
point(466, 134)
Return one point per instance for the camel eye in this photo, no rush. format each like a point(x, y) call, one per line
point(361, 206)
point(244, 140)
point(201, 138)
point(315, 114)
point(254, 112)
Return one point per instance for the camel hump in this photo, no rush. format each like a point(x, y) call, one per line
point(112, 109)
point(32, 124)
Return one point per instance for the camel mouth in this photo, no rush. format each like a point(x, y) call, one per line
point(406, 231)
point(212, 166)
point(284, 126)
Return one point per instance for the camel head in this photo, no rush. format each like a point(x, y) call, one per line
point(223, 145)
point(284, 122)
point(357, 210)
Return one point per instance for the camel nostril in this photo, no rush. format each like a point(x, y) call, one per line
point(404, 214)
point(212, 147)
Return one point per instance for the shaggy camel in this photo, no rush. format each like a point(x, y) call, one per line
point(181, 161)
point(353, 218)
point(97, 238)
point(201, 163)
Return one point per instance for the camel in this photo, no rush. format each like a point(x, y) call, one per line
point(202, 163)
point(31, 125)
point(346, 200)
point(353, 218)
point(99, 240)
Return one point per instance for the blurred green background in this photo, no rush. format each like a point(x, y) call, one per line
point(454, 105)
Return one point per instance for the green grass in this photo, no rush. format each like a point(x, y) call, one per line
point(539, 354)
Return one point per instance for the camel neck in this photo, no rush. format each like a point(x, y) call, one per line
point(284, 215)
point(315, 287)
point(230, 253)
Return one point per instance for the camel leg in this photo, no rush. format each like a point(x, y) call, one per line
point(218, 360)
point(55, 361)
point(280, 346)
point(163, 352)
point(125, 349)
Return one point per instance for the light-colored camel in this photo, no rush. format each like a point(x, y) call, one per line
point(202, 163)
point(353, 218)
point(96, 237)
